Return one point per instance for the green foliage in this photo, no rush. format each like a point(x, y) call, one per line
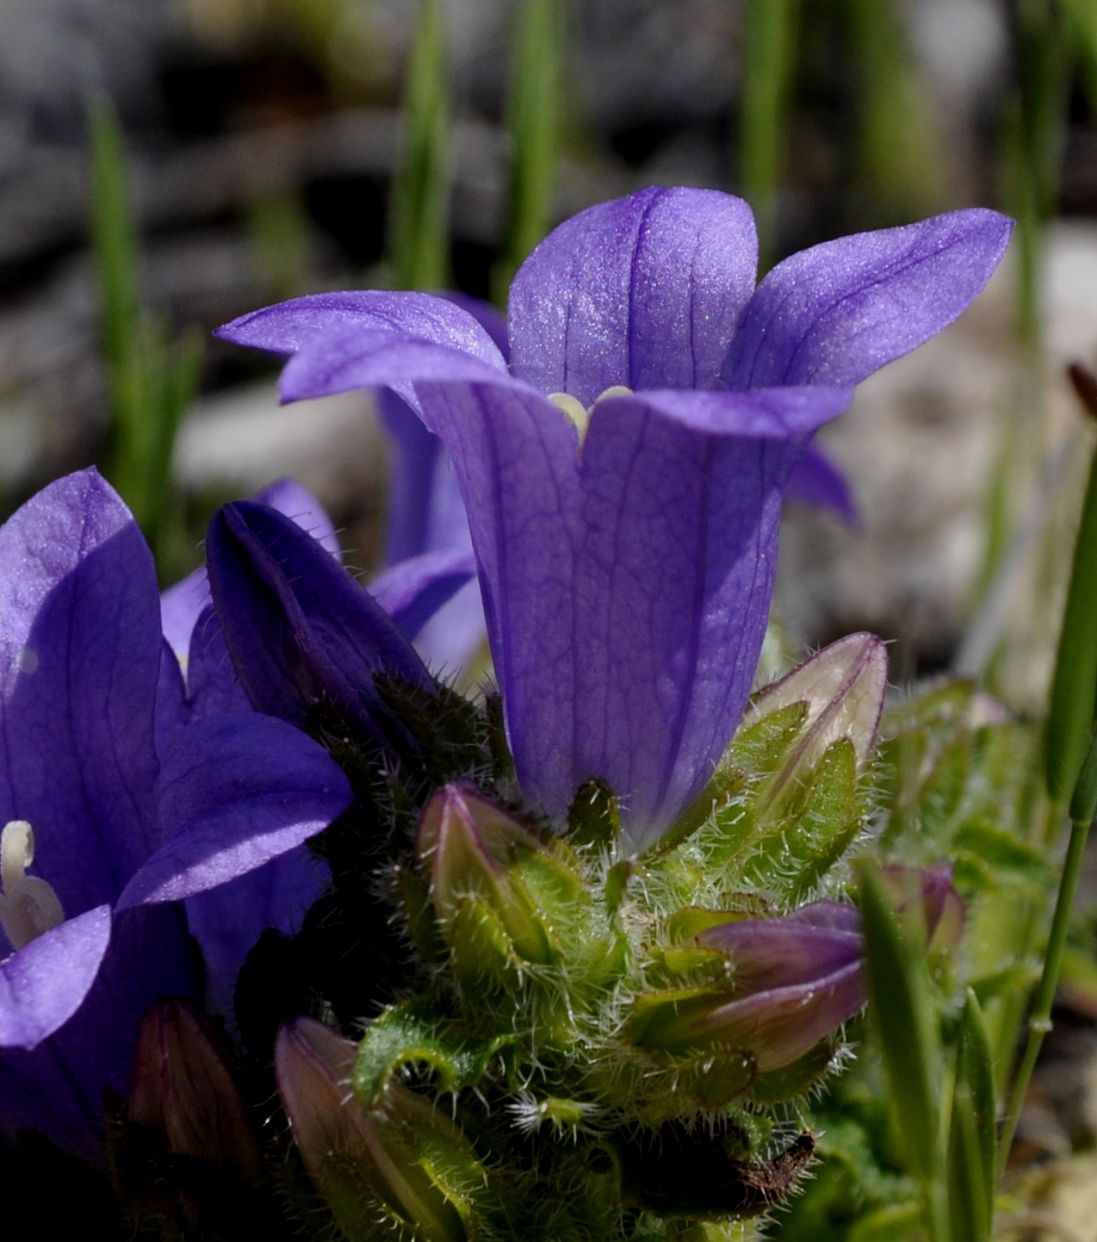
point(418, 236)
point(152, 380)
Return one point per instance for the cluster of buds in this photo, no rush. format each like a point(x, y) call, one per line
point(585, 1007)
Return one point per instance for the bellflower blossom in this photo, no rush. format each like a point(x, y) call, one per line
point(624, 476)
point(104, 833)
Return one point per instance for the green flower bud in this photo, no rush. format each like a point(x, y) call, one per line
point(401, 1162)
point(842, 689)
point(474, 853)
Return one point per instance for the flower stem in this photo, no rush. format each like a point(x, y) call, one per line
point(1040, 1021)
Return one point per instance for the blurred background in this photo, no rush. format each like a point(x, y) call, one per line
point(166, 165)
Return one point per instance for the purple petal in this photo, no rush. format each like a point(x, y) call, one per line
point(182, 604)
point(57, 1089)
point(816, 480)
point(227, 921)
point(682, 502)
point(782, 953)
point(425, 510)
point(79, 666)
point(412, 591)
point(213, 686)
point(644, 291)
point(300, 631)
point(493, 323)
point(45, 982)
point(289, 326)
point(346, 359)
point(839, 311)
point(781, 1025)
point(301, 506)
point(452, 642)
point(516, 458)
point(235, 792)
point(172, 710)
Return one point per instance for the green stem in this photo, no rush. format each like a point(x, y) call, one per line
point(1040, 1021)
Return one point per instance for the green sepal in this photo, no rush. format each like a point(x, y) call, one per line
point(411, 1034)
point(796, 1079)
point(818, 823)
point(594, 817)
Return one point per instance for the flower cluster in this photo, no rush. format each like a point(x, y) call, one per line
point(606, 902)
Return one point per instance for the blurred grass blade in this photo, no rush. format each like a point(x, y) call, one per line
point(767, 75)
point(903, 1015)
point(972, 1155)
point(418, 218)
point(533, 123)
point(151, 384)
point(1074, 683)
point(897, 145)
point(114, 242)
point(1081, 21)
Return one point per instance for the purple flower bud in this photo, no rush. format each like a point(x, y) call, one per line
point(790, 983)
point(926, 894)
point(182, 1088)
point(373, 1165)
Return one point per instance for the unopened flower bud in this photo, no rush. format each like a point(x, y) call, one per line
point(396, 1163)
point(182, 1088)
point(474, 853)
point(790, 983)
point(843, 688)
point(927, 895)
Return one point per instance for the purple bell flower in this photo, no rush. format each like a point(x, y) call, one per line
point(110, 815)
point(624, 476)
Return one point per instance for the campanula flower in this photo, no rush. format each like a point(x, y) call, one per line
point(624, 474)
point(104, 833)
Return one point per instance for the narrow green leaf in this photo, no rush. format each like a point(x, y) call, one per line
point(533, 124)
point(767, 75)
point(1074, 684)
point(418, 219)
point(972, 1155)
point(903, 1014)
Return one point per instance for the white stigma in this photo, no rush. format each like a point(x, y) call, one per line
point(579, 415)
point(28, 905)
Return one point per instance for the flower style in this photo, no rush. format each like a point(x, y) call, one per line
point(623, 478)
point(104, 833)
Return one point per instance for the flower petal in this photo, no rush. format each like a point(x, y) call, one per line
point(425, 510)
point(682, 498)
point(288, 326)
point(235, 792)
point(839, 311)
point(816, 480)
point(45, 982)
point(644, 291)
point(412, 591)
point(227, 921)
point(516, 458)
point(57, 1088)
point(300, 631)
point(182, 603)
point(79, 665)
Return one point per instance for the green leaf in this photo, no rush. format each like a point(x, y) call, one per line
point(418, 220)
point(411, 1034)
point(904, 1017)
point(972, 1157)
point(534, 101)
point(1074, 684)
